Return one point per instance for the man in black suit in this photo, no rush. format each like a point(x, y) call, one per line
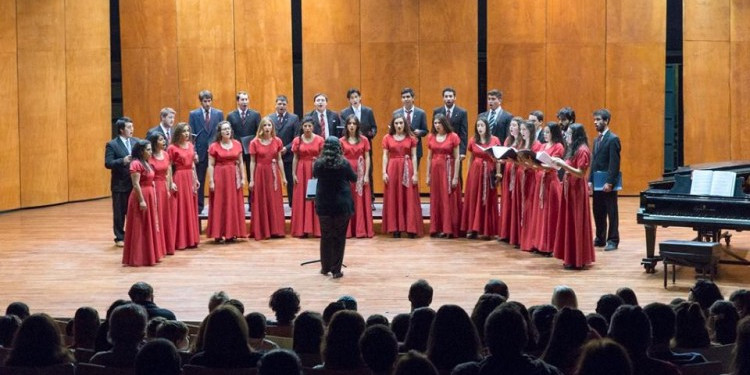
point(117, 159)
point(416, 118)
point(497, 118)
point(287, 127)
point(203, 122)
point(366, 118)
point(143, 294)
point(565, 117)
point(606, 158)
point(244, 122)
point(326, 123)
point(537, 118)
point(457, 116)
point(166, 116)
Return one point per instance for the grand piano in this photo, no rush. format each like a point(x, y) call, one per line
point(668, 203)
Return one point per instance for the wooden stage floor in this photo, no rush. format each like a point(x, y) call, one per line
point(59, 258)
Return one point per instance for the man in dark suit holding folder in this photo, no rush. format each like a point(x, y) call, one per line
point(606, 158)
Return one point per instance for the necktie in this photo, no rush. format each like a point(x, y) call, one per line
point(281, 119)
point(208, 118)
point(491, 120)
point(169, 135)
point(408, 118)
point(323, 127)
point(244, 113)
point(598, 141)
point(448, 114)
point(127, 145)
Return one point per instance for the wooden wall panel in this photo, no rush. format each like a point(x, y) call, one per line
point(41, 102)
point(706, 20)
point(520, 71)
point(740, 21)
point(148, 36)
point(10, 184)
point(740, 99)
point(88, 97)
point(576, 21)
point(263, 52)
point(510, 21)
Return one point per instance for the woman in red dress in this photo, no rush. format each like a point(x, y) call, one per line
point(479, 215)
point(442, 178)
point(226, 178)
point(573, 238)
point(306, 149)
point(266, 179)
point(356, 149)
point(527, 170)
point(508, 205)
point(165, 189)
point(144, 243)
point(548, 192)
point(185, 206)
point(402, 209)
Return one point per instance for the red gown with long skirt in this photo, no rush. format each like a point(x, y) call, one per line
point(402, 209)
point(268, 205)
point(573, 241)
point(548, 206)
point(164, 200)
point(479, 212)
point(507, 207)
point(185, 213)
point(529, 204)
point(445, 200)
point(226, 212)
point(144, 243)
point(304, 219)
point(360, 224)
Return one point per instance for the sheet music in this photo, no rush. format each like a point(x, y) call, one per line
point(701, 184)
point(722, 183)
point(501, 151)
point(546, 160)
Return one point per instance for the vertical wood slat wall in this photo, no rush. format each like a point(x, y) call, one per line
point(55, 116)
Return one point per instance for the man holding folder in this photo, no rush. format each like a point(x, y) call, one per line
point(604, 181)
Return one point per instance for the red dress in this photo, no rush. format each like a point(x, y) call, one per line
point(479, 213)
point(508, 185)
point(445, 200)
point(548, 207)
point(402, 209)
point(360, 224)
point(573, 240)
point(144, 243)
point(164, 200)
point(304, 219)
point(268, 206)
point(529, 204)
point(226, 213)
point(185, 213)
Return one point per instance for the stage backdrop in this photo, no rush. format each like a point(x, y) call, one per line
point(56, 108)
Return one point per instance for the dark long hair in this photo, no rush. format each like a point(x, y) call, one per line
point(555, 133)
point(577, 139)
point(453, 338)
point(407, 127)
point(357, 132)
point(304, 121)
point(513, 141)
point(443, 121)
point(332, 155)
point(218, 131)
point(138, 149)
point(37, 344)
point(487, 134)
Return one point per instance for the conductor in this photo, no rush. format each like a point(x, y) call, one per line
point(333, 204)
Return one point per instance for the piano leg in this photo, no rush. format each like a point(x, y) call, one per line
point(650, 261)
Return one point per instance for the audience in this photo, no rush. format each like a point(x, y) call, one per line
point(158, 357)
point(485, 305)
point(152, 326)
point(19, 309)
point(604, 356)
point(705, 293)
point(217, 299)
point(237, 305)
point(399, 326)
point(419, 330)
point(175, 332)
point(379, 349)
point(225, 341)
point(722, 323)
point(662, 319)
point(307, 338)
point(542, 318)
point(375, 319)
point(690, 327)
point(8, 327)
point(102, 342)
point(453, 339)
point(256, 330)
point(341, 351)
point(127, 328)
point(332, 309)
point(143, 294)
point(285, 304)
point(598, 323)
point(85, 327)
point(38, 344)
point(607, 305)
point(564, 296)
point(569, 333)
point(349, 302)
point(631, 329)
point(741, 300)
point(420, 294)
point(415, 363)
point(741, 360)
point(279, 362)
point(497, 287)
point(628, 296)
point(531, 343)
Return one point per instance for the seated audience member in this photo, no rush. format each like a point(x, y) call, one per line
point(542, 317)
point(564, 296)
point(453, 339)
point(419, 330)
point(569, 333)
point(722, 323)
point(19, 309)
point(237, 305)
point(217, 299)
point(175, 332)
point(690, 327)
point(598, 323)
point(285, 304)
point(741, 360)
point(604, 356)
point(741, 300)
point(38, 344)
point(127, 328)
point(631, 329)
point(279, 362)
point(497, 287)
point(705, 293)
point(376, 319)
point(482, 309)
point(196, 346)
point(102, 343)
point(332, 309)
point(349, 301)
point(531, 343)
point(341, 351)
point(662, 320)
point(225, 341)
point(607, 305)
point(256, 330)
point(420, 294)
point(152, 326)
point(8, 327)
point(85, 326)
point(628, 296)
point(143, 294)
point(307, 338)
point(399, 326)
point(414, 363)
point(676, 301)
point(158, 357)
point(379, 349)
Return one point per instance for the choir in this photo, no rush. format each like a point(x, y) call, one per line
point(541, 186)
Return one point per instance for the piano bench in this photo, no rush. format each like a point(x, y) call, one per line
point(703, 256)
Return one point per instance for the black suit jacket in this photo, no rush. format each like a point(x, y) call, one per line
point(114, 153)
point(286, 130)
point(335, 128)
point(248, 127)
point(540, 136)
point(460, 123)
point(368, 126)
point(606, 157)
point(204, 134)
point(158, 130)
point(418, 122)
point(502, 122)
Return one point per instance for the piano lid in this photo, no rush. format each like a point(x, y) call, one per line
point(738, 166)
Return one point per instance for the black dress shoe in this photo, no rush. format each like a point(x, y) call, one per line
point(610, 246)
point(396, 234)
point(599, 243)
point(412, 235)
point(338, 275)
